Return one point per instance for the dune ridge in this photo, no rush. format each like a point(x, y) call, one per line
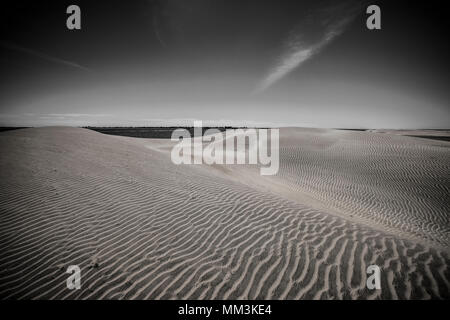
point(141, 227)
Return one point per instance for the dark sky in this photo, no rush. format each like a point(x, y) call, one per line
point(305, 63)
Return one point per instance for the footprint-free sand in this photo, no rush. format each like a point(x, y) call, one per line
point(141, 227)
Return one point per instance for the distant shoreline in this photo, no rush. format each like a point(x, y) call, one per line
point(162, 132)
point(153, 132)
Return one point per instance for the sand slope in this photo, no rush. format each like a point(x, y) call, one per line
point(142, 228)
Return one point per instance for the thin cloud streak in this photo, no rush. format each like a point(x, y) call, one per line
point(286, 66)
point(44, 56)
point(298, 51)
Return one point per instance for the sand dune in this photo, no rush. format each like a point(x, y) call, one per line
point(141, 227)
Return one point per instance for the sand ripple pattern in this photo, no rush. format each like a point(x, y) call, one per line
point(398, 182)
point(140, 227)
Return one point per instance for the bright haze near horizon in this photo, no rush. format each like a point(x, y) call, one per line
point(247, 62)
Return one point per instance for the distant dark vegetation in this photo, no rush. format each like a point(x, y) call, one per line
point(152, 132)
point(443, 138)
point(2, 129)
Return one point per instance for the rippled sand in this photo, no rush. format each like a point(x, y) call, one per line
point(141, 227)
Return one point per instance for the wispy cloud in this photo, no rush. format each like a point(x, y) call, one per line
point(308, 38)
point(156, 29)
point(44, 56)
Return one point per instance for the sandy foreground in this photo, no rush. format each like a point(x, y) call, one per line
point(141, 227)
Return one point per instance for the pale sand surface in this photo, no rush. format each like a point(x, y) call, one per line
point(141, 227)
